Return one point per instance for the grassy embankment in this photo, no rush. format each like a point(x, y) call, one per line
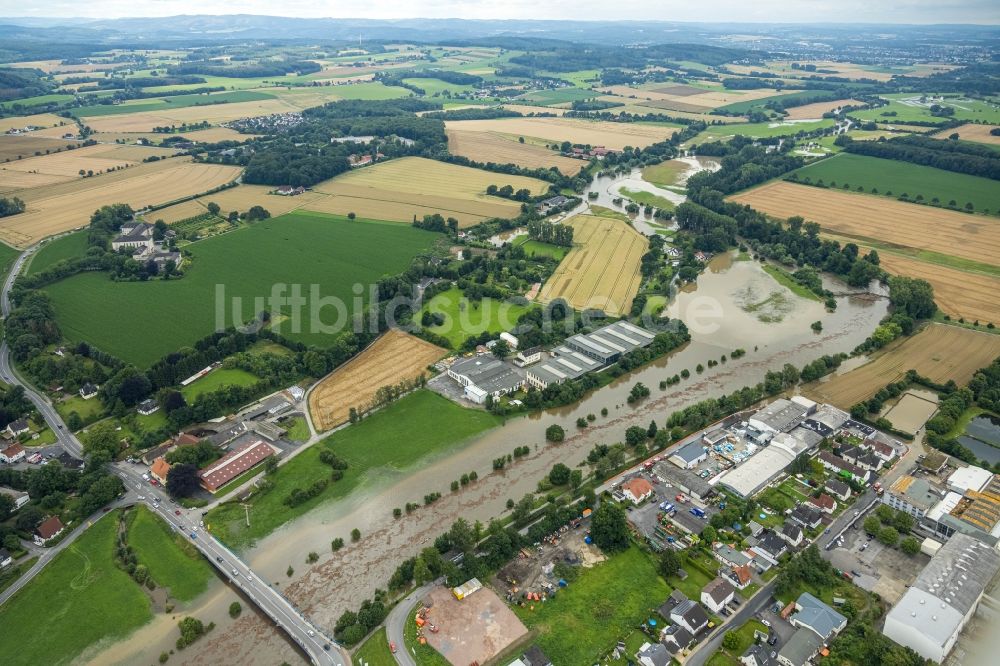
point(394, 439)
point(172, 561)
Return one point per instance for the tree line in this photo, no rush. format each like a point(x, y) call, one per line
point(960, 157)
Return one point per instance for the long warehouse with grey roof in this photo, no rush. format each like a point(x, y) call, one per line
point(587, 352)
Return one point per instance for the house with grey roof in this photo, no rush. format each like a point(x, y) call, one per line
point(676, 638)
point(791, 532)
point(690, 615)
point(800, 648)
point(807, 515)
point(729, 556)
point(838, 489)
point(689, 455)
point(768, 550)
point(757, 655)
point(815, 615)
point(653, 654)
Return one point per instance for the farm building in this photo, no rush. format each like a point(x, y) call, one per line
point(748, 478)
point(943, 598)
point(485, 375)
point(689, 455)
point(234, 463)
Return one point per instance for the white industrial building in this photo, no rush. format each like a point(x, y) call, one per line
point(588, 352)
point(484, 376)
point(764, 466)
point(943, 598)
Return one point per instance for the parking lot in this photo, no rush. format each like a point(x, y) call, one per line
point(883, 570)
point(645, 517)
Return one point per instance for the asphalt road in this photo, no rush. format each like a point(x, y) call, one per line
point(396, 622)
point(321, 649)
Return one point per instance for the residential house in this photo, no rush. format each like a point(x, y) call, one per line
point(807, 516)
point(870, 462)
point(13, 453)
point(768, 550)
point(88, 391)
point(792, 533)
point(838, 489)
point(147, 407)
point(800, 648)
point(755, 528)
point(883, 450)
point(813, 614)
point(159, 470)
point(19, 496)
point(757, 655)
point(690, 615)
point(653, 654)
point(159, 451)
point(840, 466)
point(676, 638)
point(729, 556)
point(717, 594)
point(675, 599)
point(636, 490)
point(824, 503)
point(49, 529)
point(740, 577)
point(17, 428)
point(851, 453)
point(5, 559)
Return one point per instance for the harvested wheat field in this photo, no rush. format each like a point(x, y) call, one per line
point(503, 149)
point(688, 98)
point(97, 159)
point(24, 146)
point(593, 132)
point(602, 270)
point(393, 358)
point(971, 132)
point(528, 109)
point(401, 188)
point(864, 216)
point(816, 111)
point(958, 293)
point(145, 121)
point(939, 352)
point(240, 198)
point(64, 206)
point(36, 120)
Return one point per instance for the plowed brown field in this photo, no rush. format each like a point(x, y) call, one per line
point(871, 217)
point(602, 269)
point(394, 357)
point(939, 352)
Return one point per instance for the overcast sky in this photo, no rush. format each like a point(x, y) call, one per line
point(770, 11)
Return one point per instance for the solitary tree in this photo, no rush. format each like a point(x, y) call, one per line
point(608, 527)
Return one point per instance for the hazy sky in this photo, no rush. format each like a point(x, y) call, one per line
point(771, 11)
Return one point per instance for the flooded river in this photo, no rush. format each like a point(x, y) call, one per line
point(716, 312)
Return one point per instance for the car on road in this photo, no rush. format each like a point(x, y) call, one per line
point(772, 639)
point(218, 559)
point(193, 535)
point(177, 512)
point(392, 647)
point(142, 497)
point(311, 632)
point(145, 477)
point(173, 501)
point(235, 572)
point(326, 646)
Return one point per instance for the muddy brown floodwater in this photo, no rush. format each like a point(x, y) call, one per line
point(715, 310)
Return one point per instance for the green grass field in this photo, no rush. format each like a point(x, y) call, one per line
point(62, 248)
point(558, 96)
point(154, 318)
point(744, 107)
point(904, 178)
point(784, 278)
point(535, 248)
point(464, 317)
point(173, 102)
point(173, 562)
point(87, 409)
point(80, 598)
point(646, 198)
point(393, 439)
point(604, 604)
point(437, 86)
point(40, 100)
point(664, 174)
point(298, 430)
point(216, 380)
point(759, 130)
point(375, 651)
point(907, 107)
point(371, 90)
point(7, 257)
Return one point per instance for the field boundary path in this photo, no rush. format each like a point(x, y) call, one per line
point(320, 649)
